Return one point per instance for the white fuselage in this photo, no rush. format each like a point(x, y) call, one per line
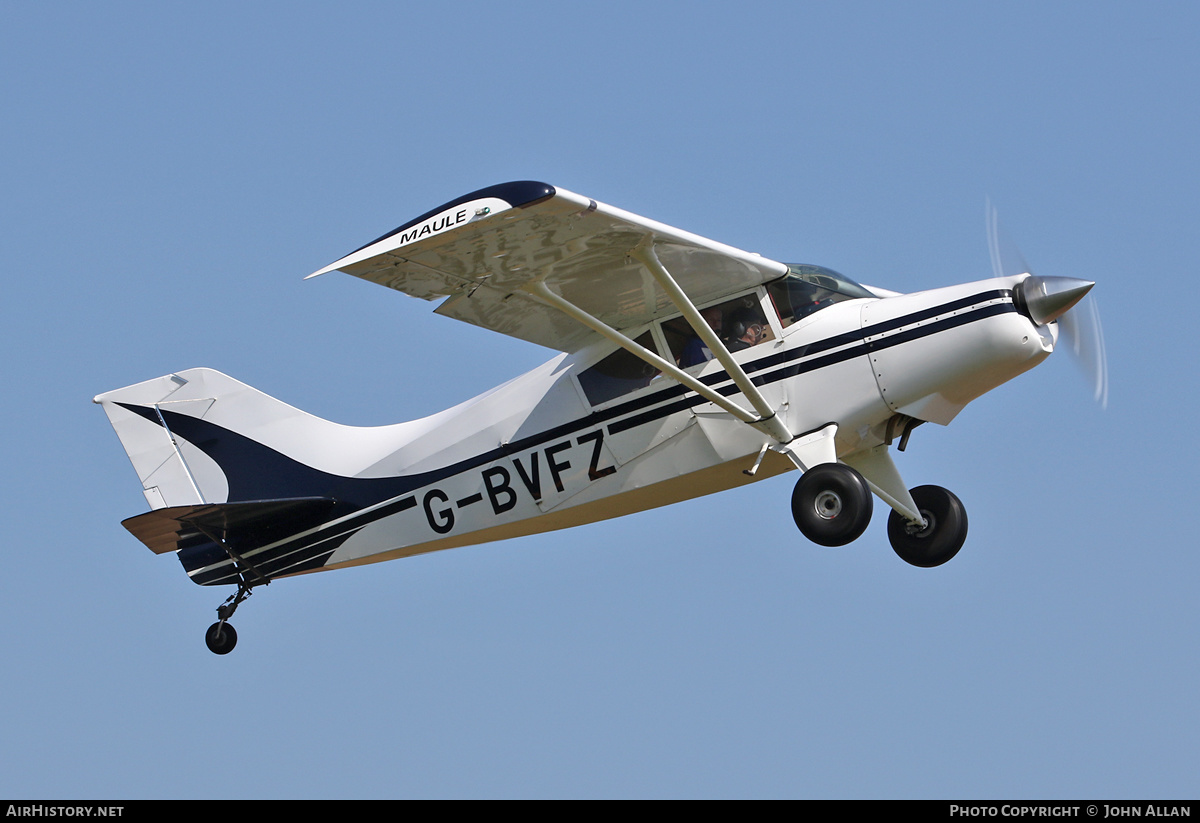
point(533, 455)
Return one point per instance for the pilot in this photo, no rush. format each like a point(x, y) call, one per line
point(746, 329)
point(695, 351)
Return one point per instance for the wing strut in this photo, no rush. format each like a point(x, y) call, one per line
point(541, 291)
point(765, 420)
point(768, 421)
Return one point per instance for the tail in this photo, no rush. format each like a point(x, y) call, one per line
point(190, 436)
point(221, 462)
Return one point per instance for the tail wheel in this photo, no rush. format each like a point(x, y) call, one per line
point(220, 638)
point(942, 536)
point(831, 504)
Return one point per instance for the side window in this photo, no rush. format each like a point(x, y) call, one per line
point(740, 323)
point(618, 374)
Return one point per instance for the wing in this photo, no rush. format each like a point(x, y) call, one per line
point(480, 253)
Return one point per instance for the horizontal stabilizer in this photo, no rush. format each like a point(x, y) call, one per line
point(177, 527)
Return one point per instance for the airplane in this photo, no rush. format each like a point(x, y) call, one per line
point(685, 367)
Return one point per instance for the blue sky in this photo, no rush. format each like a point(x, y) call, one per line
point(171, 172)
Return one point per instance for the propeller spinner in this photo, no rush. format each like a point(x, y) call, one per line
point(1049, 299)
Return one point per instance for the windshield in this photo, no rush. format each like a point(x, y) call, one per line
point(806, 289)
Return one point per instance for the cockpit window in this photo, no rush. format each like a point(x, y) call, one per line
point(806, 289)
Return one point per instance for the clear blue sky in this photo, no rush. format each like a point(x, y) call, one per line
point(170, 172)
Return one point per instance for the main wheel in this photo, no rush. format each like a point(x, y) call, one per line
point(944, 533)
point(831, 504)
point(220, 638)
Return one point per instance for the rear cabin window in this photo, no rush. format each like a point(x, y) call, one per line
point(618, 374)
point(806, 289)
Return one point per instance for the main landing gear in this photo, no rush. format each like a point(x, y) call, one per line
point(832, 502)
point(940, 538)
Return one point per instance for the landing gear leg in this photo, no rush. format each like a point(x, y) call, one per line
point(939, 538)
point(221, 637)
point(831, 504)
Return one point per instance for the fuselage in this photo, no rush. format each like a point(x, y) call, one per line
point(536, 454)
point(689, 367)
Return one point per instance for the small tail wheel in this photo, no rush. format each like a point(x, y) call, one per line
point(831, 504)
point(943, 534)
point(220, 638)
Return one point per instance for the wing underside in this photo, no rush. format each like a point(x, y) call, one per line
point(483, 255)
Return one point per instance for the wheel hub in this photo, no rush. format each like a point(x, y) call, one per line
point(827, 505)
point(923, 529)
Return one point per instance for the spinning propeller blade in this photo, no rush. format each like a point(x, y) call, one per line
point(1056, 298)
point(1081, 325)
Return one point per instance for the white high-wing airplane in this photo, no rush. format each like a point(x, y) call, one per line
point(687, 367)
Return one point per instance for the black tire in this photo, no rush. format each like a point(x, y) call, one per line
point(941, 539)
point(832, 504)
point(220, 638)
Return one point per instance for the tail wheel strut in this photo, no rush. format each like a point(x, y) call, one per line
point(221, 636)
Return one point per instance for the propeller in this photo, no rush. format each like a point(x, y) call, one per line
point(1046, 299)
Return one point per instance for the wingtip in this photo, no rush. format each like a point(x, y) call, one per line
point(319, 272)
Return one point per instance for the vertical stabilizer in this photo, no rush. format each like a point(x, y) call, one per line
point(173, 471)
